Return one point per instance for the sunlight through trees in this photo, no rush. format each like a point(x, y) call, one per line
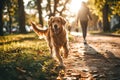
point(41, 10)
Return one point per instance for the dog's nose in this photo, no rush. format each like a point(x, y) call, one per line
point(55, 26)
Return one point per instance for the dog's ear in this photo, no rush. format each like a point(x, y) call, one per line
point(63, 20)
point(50, 21)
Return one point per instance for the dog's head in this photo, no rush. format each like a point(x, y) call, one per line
point(56, 24)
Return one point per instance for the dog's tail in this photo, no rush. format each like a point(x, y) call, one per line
point(38, 31)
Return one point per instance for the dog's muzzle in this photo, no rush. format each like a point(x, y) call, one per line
point(55, 27)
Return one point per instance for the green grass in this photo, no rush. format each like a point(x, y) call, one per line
point(25, 57)
point(112, 33)
point(117, 32)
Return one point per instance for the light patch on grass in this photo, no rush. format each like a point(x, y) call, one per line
point(25, 52)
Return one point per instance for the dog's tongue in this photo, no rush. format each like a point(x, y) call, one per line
point(56, 31)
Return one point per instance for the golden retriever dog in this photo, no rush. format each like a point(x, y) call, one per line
point(56, 36)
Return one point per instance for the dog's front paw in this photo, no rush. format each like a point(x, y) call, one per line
point(60, 67)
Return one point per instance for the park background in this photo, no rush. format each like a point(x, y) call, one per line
point(25, 57)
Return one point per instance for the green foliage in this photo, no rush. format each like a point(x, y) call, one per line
point(97, 6)
point(71, 38)
point(118, 31)
point(11, 10)
point(24, 57)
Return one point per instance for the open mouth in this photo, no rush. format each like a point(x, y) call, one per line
point(56, 29)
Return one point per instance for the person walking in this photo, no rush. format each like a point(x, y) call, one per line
point(83, 16)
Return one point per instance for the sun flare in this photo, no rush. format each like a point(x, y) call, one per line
point(75, 5)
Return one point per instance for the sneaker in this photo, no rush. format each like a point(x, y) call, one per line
point(85, 42)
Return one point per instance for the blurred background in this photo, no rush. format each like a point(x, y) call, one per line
point(16, 15)
point(25, 57)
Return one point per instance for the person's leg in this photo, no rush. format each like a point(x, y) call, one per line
point(84, 29)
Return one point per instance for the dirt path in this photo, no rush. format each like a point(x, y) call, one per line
point(98, 60)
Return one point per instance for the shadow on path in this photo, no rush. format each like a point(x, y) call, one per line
point(102, 65)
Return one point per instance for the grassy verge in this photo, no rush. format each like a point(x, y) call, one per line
point(113, 34)
point(117, 32)
point(25, 57)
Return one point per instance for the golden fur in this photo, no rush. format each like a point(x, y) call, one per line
point(56, 37)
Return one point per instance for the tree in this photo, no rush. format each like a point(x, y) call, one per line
point(59, 6)
point(1, 21)
point(52, 7)
point(21, 18)
point(36, 4)
point(9, 4)
point(104, 8)
point(106, 26)
point(64, 7)
point(10, 10)
point(2, 5)
point(39, 8)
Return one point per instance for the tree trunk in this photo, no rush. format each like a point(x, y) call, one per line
point(49, 8)
point(106, 26)
point(10, 17)
point(52, 10)
point(64, 8)
point(55, 7)
point(39, 7)
point(21, 17)
point(1, 21)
